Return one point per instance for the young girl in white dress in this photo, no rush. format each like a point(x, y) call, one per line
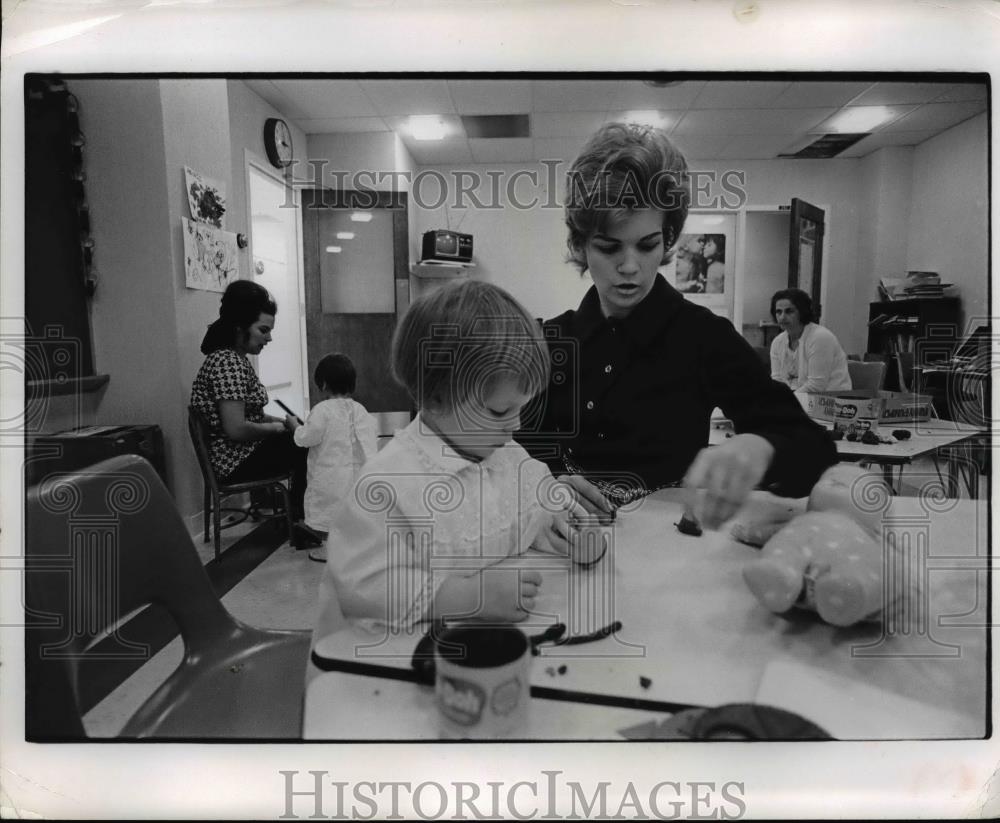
point(341, 437)
point(438, 518)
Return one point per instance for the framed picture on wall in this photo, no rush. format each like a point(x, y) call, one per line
point(703, 267)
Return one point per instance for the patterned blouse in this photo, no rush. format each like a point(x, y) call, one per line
point(227, 375)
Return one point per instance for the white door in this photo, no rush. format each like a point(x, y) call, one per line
point(274, 250)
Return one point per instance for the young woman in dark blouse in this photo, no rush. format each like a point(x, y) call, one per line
point(637, 369)
point(244, 442)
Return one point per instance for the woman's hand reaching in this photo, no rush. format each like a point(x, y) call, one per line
point(721, 477)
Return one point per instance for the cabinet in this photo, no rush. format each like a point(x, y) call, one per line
point(78, 448)
point(441, 268)
point(915, 332)
point(429, 274)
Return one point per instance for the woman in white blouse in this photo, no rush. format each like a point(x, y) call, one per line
point(805, 356)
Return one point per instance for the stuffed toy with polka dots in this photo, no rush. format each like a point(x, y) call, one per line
point(829, 559)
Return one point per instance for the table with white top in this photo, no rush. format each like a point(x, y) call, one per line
point(693, 635)
point(926, 439)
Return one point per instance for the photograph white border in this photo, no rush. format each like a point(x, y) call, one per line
point(948, 779)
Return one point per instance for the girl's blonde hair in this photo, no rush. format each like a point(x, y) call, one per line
point(457, 341)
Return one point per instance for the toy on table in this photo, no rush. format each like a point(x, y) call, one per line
point(688, 524)
point(755, 523)
point(829, 559)
point(762, 516)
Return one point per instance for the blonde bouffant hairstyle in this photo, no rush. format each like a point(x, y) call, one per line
point(623, 167)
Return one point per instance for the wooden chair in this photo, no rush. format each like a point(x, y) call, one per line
point(216, 490)
point(866, 376)
point(105, 541)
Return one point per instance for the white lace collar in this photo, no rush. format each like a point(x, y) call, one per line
point(442, 455)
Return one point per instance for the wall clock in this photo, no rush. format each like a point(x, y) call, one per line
point(278, 142)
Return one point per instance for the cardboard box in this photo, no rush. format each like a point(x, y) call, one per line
point(885, 406)
point(857, 416)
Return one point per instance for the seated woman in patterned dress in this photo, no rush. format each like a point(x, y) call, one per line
point(245, 443)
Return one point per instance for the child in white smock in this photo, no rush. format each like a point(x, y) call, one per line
point(438, 517)
point(341, 437)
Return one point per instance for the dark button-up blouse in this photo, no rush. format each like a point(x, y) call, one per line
point(632, 399)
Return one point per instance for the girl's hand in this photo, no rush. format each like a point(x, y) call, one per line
point(508, 592)
point(721, 477)
point(502, 592)
point(291, 422)
point(588, 497)
point(553, 537)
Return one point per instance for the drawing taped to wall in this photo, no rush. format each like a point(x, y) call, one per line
point(206, 198)
point(211, 259)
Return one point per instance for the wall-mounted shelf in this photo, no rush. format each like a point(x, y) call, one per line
point(441, 268)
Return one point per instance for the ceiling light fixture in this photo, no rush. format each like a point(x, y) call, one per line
point(427, 128)
point(860, 118)
point(333, 249)
point(345, 235)
point(361, 216)
point(646, 118)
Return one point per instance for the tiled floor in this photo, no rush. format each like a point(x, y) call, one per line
point(280, 592)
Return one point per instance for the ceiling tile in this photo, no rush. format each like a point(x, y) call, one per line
point(500, 150)
point(573, 95)
point(491, 96)
point(669, 118)
point(393, 97)
point(739, 94)
point(881, 139)
point(566, 124)
point(700, 147)
point(317, 99)
point(635, 94)
point(891, 94)
point(565, 149)
point(342, 125)
point(895, 112)
point(960, 92)
point(755, 147)
point(750, 121)
point(269, 92)
point(936, 116)
point(438, 153)
point(809, 93)
point(400, 125)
